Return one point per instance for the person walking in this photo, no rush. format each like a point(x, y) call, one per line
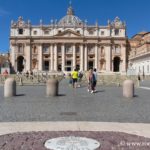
point(95, 79)
point(74, 75)
point(90, 81)
point(80, 75)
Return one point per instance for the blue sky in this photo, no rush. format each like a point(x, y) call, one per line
point(136, 13)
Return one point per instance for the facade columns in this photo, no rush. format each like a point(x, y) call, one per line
point(55, 58)
point(74, 56)
point(63, 56)
point(81, 58)
point(123, 53)
point(13, 57)
point(96, 56)
point(40, 55)
point(28, 57)
point(86, 58)
point(52, 57)
point(108, 58)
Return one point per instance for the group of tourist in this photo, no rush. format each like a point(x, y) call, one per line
point(75, 79)
point(92, 80)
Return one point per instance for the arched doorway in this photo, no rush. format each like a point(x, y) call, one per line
point(20, 63)
point(116, 64)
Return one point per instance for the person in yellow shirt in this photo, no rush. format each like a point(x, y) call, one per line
point(74, 75)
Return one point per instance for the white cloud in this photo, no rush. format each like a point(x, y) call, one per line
point(3, 12)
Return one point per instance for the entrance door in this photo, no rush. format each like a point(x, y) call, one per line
point(59, 67)
point(46, 65)
point(116, 64)
point(78, 67)
point(20, 63)
point(91, 64)
point(68, 65)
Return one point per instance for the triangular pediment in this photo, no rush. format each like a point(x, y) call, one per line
point(68, 33)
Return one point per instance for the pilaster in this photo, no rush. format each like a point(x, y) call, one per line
point(86, 58)
point(55, 58)
point(108, 58)
point(96, 56)
point(63, 56)
point(81, 58)
point(52, 57)
point(40, 55)
point(28, 56)
point(74, 56)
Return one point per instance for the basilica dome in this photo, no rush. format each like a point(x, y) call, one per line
point(70, 19)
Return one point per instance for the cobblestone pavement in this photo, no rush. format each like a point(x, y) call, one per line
point(107, 105)
point(108, 140)
point(145, 83)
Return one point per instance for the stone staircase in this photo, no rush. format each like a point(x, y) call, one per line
point(31, 79)
point(40, 79)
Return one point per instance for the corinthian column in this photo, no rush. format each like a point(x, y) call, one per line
point(40, 55)
point(13, 56)
point(28, 56)
point(96, 56)
point(123, 53)
point(52, 57)
point(74, 56)
point(81, 57)
point(86, 58)
point(55, 57)
point(63, 57)
point(108, 58)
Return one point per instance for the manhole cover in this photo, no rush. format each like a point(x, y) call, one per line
point(72, 143)
point(68, 113)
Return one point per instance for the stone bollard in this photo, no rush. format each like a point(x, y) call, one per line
point(10, 87)
point(52, 87)
point(128, 88)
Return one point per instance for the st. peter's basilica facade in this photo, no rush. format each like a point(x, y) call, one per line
point(67, 44)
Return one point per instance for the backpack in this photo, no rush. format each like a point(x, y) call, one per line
point(80, 75)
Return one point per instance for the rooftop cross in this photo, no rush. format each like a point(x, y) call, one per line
point(70, 9)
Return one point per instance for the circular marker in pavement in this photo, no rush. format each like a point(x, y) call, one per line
point(72, 143)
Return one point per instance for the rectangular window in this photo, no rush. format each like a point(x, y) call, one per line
point(68, 49)
point(59, 49)
point(46, 32)
point(35, 32)
point(20, 31)
point(45, 49)
point(77, 49)
point(116, 31)
point(91, 32)
point(102, 32)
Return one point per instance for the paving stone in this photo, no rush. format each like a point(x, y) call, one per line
point(106, 105)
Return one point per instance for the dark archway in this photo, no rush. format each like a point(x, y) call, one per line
point(20, 63)
point(116, 64)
